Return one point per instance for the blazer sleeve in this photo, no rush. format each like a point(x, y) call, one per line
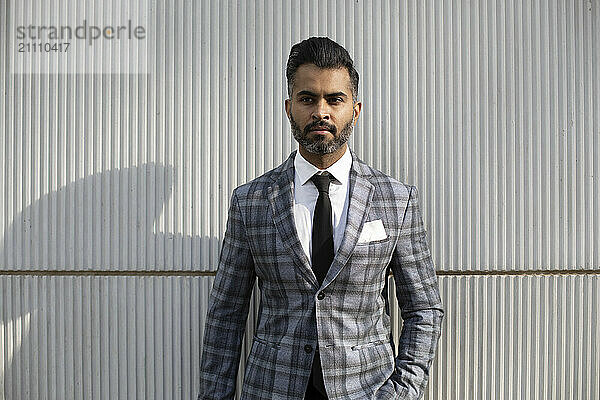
point(227, 311)
point(419, 301)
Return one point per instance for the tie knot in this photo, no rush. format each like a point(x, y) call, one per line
point(322, 181)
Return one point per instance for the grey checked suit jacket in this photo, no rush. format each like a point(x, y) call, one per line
point(347, 317)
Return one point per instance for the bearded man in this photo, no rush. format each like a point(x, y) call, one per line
point(321, 233)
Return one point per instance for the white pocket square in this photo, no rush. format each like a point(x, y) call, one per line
point(372, 230)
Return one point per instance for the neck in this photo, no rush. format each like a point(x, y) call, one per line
point(323, 161)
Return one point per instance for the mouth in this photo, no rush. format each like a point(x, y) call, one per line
point(320, 131)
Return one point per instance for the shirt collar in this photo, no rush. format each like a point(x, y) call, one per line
point(339, 169)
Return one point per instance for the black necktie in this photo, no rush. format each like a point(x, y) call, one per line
point(322, 257)
point(322, 231)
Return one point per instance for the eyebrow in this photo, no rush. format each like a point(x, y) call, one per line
point(309, 93)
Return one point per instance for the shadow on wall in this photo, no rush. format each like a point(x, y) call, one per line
point(109, 221)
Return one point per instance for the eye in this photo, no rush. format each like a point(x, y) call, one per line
point(305, 100)
point(336, 100)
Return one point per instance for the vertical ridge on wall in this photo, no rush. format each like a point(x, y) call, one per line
point(517, 337)
point(101, 337)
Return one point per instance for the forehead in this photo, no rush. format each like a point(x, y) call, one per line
point(322, 80)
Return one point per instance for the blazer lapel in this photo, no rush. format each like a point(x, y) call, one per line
point(361, 193)
point(280, 195)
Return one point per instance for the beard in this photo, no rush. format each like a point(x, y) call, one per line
point(320, 145)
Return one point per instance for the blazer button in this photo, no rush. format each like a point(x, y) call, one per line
point(320, 296)
point(308, 348)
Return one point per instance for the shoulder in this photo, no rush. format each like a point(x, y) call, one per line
point(257, 187)
point(385, 186)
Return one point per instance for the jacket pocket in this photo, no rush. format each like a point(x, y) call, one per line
point(267, 343)
point(370, 344)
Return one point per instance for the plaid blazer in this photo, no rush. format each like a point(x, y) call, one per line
point(347, 317)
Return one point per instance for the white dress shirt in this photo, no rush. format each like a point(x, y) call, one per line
point(306, 194)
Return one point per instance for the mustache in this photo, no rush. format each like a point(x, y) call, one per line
point(320, 125)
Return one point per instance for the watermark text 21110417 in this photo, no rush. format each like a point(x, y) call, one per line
point(42, 47)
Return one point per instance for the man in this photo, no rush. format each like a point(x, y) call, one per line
point(321, 232)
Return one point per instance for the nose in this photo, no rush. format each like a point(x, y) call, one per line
point(321, 111)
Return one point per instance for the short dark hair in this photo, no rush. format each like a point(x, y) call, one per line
point(324, 53)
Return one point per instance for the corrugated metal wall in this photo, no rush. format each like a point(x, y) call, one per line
point(115, 187)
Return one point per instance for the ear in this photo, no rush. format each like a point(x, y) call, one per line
point(288, 107)
point(356, 112)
